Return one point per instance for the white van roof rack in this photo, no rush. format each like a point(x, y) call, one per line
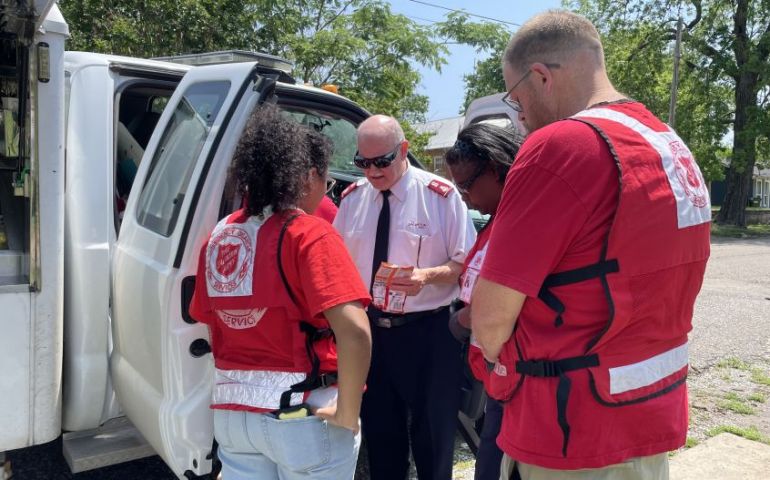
point(232, 56)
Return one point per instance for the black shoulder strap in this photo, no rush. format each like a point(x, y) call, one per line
point(280, 263)
point(314, 379)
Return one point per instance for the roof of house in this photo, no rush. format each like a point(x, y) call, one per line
point(444, 132)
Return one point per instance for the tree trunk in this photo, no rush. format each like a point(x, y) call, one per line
point(740, 172)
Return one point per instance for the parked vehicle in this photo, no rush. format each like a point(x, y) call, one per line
point(112, 173)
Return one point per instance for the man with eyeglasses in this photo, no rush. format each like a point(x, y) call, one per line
point(406, 216)
point(598, 251)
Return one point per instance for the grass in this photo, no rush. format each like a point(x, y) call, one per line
point(691, 442)
point(733, 362)
point(740, 232)
point(750, 433)
point(464, 465)
point(716, 209)
point(760, 377)
point(757, 397)
point(736, 404)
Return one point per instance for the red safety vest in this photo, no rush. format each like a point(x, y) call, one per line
point(245, 288)
point(651, 268)
point(471, 270)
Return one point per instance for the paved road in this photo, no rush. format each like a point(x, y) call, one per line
point(732, 314)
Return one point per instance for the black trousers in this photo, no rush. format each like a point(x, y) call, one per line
point(489, 456)
point(413, 394)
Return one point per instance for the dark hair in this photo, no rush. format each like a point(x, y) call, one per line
point(273, 159)
point(483, 143)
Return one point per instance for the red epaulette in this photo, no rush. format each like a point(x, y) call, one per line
point(349, 189)
point(441, 188)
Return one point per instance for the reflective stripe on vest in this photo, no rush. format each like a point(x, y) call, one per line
point(687, 183)
point(649, 371)
point(255, 388)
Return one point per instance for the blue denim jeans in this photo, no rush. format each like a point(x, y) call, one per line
point(259, 446)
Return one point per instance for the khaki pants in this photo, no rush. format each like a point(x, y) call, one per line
point(654, 467)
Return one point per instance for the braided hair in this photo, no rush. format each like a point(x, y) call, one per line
point(483, 143)
point(273, 159)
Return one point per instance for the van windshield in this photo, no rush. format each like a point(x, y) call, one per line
point(340, 131)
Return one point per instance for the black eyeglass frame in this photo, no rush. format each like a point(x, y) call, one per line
point(465, 186)
point(383, 161)
point(516, 106)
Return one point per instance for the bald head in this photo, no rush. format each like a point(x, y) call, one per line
point(380, 128)
point(379, 136)
point(556, 36)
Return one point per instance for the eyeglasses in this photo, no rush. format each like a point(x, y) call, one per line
point(330, 182)
point(516, 106)
point(382, 161)
point(464, 187)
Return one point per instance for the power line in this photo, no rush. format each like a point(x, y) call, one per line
point(413, 17)
point(465, 12)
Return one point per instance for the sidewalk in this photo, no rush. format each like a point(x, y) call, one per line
point(724, 457)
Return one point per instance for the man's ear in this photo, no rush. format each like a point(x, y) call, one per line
point(543, 74)
point(404, 147)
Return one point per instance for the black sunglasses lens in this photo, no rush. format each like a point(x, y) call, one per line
point(380, 162)
point(385, 160)
point(361, 162)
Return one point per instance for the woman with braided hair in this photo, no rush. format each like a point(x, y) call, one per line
point(285, 309)
point(479, 162)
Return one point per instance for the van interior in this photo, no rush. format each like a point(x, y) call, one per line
point(15, 188)
point(139, 108)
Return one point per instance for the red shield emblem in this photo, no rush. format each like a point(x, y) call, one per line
point(688, 175)
point(227, 258)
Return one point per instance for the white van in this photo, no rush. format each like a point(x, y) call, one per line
point(119, 176)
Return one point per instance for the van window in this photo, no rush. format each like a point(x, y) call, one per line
point(341, 132)
point(138, 114)
point(176, 156)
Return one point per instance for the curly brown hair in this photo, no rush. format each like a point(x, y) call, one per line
point(274, 158)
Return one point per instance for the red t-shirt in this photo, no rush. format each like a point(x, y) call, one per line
point(326, 209)
point(557, 206)
point(321, 275)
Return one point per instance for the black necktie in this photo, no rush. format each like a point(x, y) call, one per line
point(381, 239)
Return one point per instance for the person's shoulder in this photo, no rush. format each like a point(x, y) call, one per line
point(355, 189)
point(560, 144)
point(307, 224)
point(432, 182)
point(564, 131)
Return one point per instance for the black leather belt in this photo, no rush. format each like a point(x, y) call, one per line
point(392, 320)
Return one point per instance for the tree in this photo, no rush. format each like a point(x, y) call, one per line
point(487, 77)
point(152, 28)
point(364, 48)
point(725, 78)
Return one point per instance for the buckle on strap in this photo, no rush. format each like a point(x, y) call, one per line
point(327, 379)
point(554, 368)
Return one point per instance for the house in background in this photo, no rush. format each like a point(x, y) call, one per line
point(759, 193)
point(444, 133)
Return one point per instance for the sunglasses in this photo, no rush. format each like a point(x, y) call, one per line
point(464, 187)
point(383, 161)
point(330, 182)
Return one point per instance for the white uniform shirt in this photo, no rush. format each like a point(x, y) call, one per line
point(426, 230)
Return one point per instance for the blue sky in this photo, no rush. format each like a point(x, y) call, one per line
point(446, 89)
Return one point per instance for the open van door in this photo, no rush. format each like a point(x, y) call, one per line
point(160, 367)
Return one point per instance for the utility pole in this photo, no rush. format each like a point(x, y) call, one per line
point(675, 80)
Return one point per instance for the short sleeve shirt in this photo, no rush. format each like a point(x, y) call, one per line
point(555, 213)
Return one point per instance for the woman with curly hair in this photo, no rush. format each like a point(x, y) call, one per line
point(479, 162)
point(285, 309)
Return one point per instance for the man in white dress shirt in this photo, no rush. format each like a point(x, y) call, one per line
point(416, 367)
